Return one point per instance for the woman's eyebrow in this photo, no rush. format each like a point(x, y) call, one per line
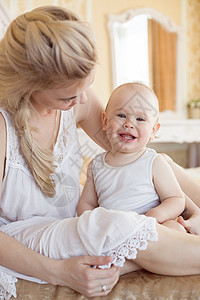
point(73, 97)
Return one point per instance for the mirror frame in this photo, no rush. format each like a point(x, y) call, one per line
point(169, 25)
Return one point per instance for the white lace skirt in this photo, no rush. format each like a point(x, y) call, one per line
point(98, 232)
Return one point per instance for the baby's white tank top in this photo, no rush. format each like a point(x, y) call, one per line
point(127, 188)
point(21, 197)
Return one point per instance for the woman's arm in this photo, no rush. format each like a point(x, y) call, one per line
point(88, 199)
point(189, 186)
point(170, 194)
point(89, 117)
point(76, 273)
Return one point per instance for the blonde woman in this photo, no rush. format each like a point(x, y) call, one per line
point(47, 64)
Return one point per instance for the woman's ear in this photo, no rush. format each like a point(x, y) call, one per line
point(154, 130)
point(104, 121)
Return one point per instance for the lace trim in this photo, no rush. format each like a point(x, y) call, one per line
point(138, 241)
point(66, 137)
point(14, 154)
point(7, 286)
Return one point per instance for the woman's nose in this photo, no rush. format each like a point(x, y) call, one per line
point(83, 98)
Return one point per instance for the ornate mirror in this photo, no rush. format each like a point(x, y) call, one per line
point(146, 46)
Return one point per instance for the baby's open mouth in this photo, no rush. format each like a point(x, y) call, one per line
point(127, 136)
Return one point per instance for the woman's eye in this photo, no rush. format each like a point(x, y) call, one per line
point(69, 100)
point(123, 116)
point(140, 119)
point(65, 100)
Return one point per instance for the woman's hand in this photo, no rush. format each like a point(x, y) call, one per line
point(78, 274)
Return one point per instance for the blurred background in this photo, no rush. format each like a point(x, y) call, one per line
point(154, 41)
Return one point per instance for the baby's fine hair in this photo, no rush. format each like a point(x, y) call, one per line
point(134, 83)
point(41, 49)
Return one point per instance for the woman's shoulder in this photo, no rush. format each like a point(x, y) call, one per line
point(2, 126)
point(6, 118)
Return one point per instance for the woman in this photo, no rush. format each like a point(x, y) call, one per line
point(44, 71)
point(47, 64)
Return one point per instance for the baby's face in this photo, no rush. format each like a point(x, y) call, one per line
point(131, 118)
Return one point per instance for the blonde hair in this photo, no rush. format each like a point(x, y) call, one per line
point(41, 49)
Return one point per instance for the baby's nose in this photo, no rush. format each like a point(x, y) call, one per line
point(128, 125)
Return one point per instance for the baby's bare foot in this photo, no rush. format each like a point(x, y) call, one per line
point(192, 225)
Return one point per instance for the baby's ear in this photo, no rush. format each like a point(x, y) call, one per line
point(104, 121)
point(154, 130)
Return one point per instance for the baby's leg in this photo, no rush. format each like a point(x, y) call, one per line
point(128, 267)
point(98, 232)
point(173, 224)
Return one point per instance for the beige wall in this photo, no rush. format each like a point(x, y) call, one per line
point(19, 6)
point(96, 11)
point(193, 49)
point(100, 11)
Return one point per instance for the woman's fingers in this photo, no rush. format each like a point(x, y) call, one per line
point(103, 280)
point(105, 285)
point(97, 260)
point(79, 274)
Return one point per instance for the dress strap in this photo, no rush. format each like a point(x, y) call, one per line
point(6, 118)
point(14, 156)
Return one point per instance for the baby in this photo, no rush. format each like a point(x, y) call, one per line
point(132, 177)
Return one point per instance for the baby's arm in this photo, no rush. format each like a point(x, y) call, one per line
point(171, 196)
point(88, 199)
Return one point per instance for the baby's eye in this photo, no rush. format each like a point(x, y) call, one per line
point(140, 119)
point(123, 116)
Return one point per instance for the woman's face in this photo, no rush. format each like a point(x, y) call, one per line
point(62, 98)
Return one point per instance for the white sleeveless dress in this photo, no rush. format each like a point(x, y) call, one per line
point(21, 197)
point(129, 187)
point(48, 226)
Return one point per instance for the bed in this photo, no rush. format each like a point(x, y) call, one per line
point(136, 285)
